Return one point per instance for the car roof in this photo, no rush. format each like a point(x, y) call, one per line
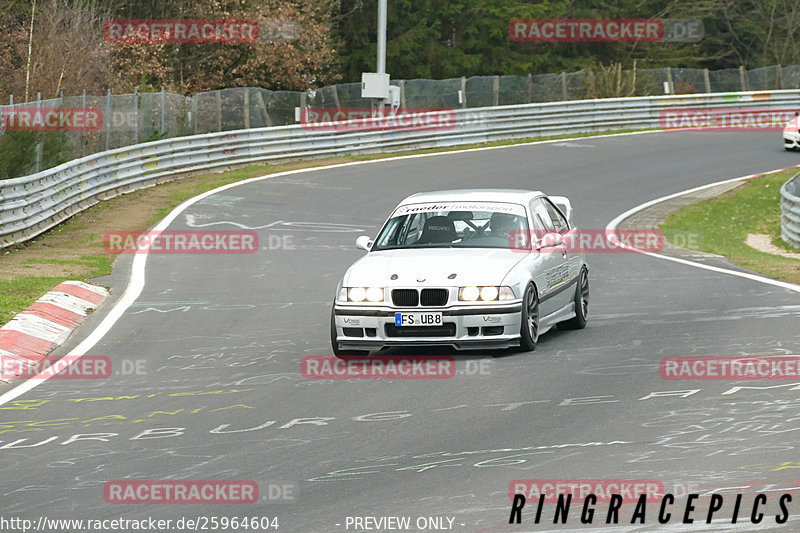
point(516, 196)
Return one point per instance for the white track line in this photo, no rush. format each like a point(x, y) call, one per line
point(136, 281)
point(612, 227)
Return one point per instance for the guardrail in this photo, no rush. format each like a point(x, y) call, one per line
point(790, 211)
point(31, 205)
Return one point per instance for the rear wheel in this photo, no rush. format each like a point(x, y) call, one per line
point(581, 304)
point(342, 354)
point(529, 329)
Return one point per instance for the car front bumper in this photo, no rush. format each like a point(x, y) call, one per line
point(463, 327)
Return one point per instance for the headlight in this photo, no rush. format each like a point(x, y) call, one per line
point(375, 294)
point(357, 294)
point(489, 293)
point(360, 294)
point(468, 294)
point(485, 294)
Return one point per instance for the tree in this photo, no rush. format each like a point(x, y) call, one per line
point(440, 38)
point(67, 50)
point(294, 51)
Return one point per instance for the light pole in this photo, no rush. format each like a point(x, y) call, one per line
point(375, 85)
point(381, 43)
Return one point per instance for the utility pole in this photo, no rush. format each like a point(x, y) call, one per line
point(375, 85)
point(381, 44)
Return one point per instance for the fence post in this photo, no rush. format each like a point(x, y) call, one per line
point(193, 117)
point(108, 118)
point(564, 95)
point(403, 94)
point(83, 137)
point(671, 85)
point(742, 78)
point(707, 80)
point(40, 144)
point(529, 88)
point(247, 108)
point(136, 115)
point(496, 91)
point(260, 104)
point(780, 77)
point(163, 111)
point(218, 96)
point(336, 97)
point(463, 92)
point(11, 99)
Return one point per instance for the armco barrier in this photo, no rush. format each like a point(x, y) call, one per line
point(790, 211)
point(32, 204)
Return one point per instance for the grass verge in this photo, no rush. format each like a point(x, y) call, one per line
point(720, 225)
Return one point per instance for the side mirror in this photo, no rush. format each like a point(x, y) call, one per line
point(550, 240)
point(364, 243)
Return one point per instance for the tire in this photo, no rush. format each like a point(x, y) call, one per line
point(529, 328)
point(581, 304)
point(342, 354)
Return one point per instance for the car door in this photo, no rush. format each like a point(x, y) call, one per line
point(571, 239)
point(554, 293)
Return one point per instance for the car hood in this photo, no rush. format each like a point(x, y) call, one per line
point(792, 125)
point(471, 266)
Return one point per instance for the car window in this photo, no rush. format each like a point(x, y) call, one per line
point(494, 225)
point(540, 211)
point(559, 222)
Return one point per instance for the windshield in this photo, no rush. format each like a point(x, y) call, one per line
point(446, 225)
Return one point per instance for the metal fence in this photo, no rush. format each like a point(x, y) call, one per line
point(32, 204)
point(790, 211)
point(133, 118)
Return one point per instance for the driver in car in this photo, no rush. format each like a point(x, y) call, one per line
point(502, 224)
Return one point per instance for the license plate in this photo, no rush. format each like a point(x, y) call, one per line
point(418, 319)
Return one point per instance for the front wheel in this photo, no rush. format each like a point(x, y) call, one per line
point(335, 344)
point(529, 329)
point(581, 304)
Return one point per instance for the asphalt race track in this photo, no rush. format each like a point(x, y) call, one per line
point(219, 339)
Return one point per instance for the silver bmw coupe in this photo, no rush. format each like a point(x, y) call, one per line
point(471, 269)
